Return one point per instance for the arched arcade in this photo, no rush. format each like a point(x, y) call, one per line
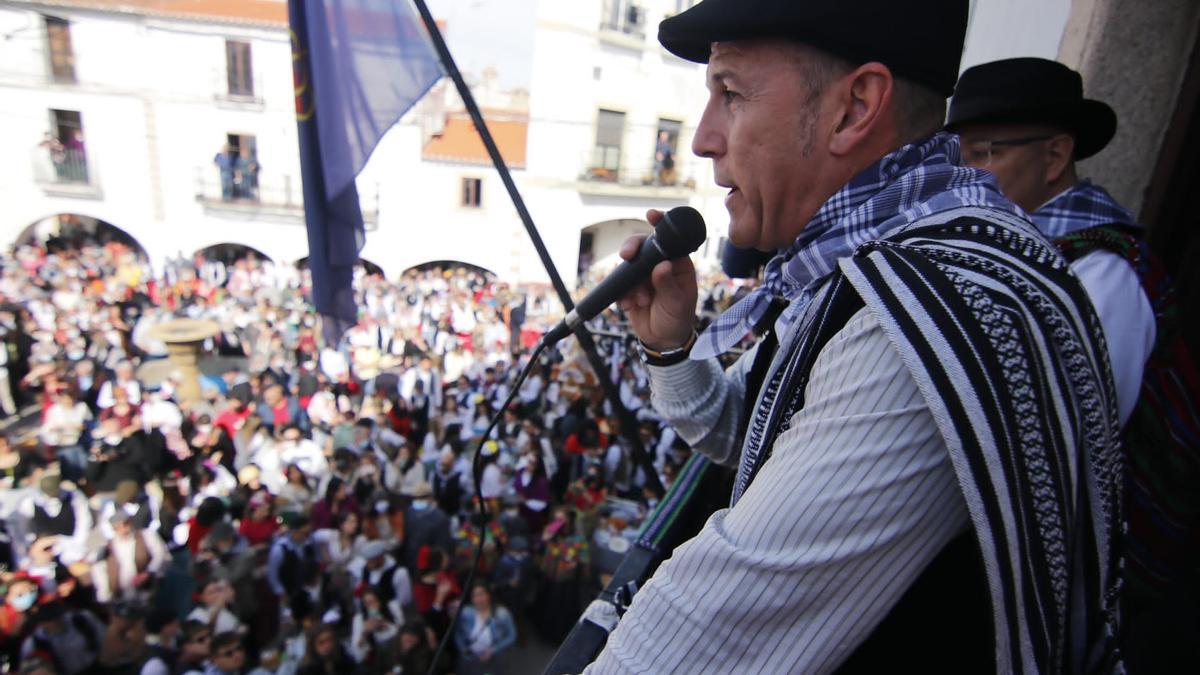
point(64, 231)
point(451, 265)
point(229, 253)
point(600, 243)
point(369, 267)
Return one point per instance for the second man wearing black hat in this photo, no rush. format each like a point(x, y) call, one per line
point(1026, 121)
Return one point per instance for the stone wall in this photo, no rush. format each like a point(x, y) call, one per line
point(1133, 55)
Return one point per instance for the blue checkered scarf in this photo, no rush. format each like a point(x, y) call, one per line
point(1084, 205)
point(916, 181)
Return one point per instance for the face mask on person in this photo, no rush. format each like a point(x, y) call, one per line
point(420, 505)
point(112, 439)
point(24, 601)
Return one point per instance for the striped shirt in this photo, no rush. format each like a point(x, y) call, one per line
point(856, 500)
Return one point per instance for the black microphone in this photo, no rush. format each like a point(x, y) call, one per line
point(743, 263)
point(679, 233)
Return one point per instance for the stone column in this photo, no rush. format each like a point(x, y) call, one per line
point(184, 339)
point(1133, 55)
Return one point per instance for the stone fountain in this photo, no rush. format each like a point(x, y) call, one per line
point(184, 338)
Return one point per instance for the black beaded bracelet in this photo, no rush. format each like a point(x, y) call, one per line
point(670, 357)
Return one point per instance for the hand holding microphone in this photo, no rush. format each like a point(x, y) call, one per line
point(656, 285)
point(662, 308)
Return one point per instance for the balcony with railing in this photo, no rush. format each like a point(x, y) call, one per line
point(606, 173)
point(623, 22)
point(65, 172)
point(273, 197)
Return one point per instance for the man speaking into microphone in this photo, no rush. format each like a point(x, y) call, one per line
point(925, 441)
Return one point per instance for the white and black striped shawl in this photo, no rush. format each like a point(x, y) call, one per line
point(1009, 355)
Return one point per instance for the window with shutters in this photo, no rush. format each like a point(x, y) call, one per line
point(606, 155)
point(237, 66)
point(666, 144)
point(58, 46)
point(238, 167)
point(472, 192)
point(624, 16)
point(66, 146)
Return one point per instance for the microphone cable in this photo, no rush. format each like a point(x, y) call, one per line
point(482, 512)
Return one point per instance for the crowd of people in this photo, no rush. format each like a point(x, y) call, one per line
point(310, 511)
point(966, 434)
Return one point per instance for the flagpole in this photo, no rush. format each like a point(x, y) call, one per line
point(628, 421)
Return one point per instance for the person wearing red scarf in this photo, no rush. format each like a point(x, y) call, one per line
point(259, 525)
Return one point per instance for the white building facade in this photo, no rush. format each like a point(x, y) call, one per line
point(141, 101)
point(153, 98)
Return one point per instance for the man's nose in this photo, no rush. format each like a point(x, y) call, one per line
point(709, 141)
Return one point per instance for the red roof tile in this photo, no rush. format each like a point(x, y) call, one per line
point(459, 142)
point(251, 11)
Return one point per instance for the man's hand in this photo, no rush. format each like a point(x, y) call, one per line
point(661, 311)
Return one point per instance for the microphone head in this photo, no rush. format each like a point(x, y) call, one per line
point(743, 263)
point(680, 232)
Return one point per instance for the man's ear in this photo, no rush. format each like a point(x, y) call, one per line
point(863, 103)
point(1060, 153)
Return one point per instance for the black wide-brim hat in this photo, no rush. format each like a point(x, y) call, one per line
point(919, 41)
point(1032, 91)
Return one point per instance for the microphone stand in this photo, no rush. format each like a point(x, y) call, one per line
point(611, 392)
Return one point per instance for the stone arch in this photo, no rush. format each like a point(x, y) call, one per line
point(452, 264)
point(70, 230)
point(370, 267)
point(230, 252)
point(600, 242)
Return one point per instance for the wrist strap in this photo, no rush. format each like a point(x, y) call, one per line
point(670, 357)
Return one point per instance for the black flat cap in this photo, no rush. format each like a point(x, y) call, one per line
point(1032, 91)
point(919, 41)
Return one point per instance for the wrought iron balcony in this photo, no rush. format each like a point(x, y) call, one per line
point(266, 196)
point(65, 172)
point(643, 177)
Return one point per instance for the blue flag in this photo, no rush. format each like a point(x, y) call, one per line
point(358, 66)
